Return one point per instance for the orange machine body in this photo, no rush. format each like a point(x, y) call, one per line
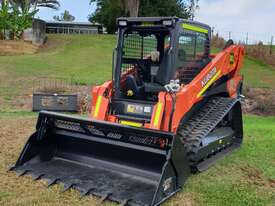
point(226, 63)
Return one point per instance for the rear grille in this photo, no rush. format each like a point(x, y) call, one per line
point(68, 125)
point(108, 133)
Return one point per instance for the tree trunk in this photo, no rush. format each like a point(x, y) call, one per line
point(132, 6)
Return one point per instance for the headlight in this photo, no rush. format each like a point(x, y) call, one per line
point(122, 23)
point(167, 22)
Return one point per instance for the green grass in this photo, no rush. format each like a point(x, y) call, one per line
point(8, 114)
point(85, 59)
point(258, 74)
point(88, 58)
point(242, 178)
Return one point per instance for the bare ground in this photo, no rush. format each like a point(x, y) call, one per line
point(259, 101)
point(255, 176)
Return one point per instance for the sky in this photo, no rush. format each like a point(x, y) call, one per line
point(228, 17)
point(255, 17)
point(79, 9)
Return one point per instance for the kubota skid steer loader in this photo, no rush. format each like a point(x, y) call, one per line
point(170, 108)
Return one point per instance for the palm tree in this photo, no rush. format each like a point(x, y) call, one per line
point(33, 4)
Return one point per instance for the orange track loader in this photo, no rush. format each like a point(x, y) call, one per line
point(171, 108)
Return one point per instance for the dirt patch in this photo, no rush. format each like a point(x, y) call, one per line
point(255, 176)
point(261, 52)
point(17, 47)
point(183, 199)
point(53, 44)
point(259, 101)
point(21, 95)
point(22, 103)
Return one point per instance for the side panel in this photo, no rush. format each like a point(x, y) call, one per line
point(194, 92)
point(100, 102)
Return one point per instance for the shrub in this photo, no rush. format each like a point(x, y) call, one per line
point(217, 41)
point(258, 51)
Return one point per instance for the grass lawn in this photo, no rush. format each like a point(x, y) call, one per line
point(258, 74)
point(247, 177)
point(88, 60)
point(85, 59)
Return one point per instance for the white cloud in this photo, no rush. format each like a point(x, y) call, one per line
point(240, 16)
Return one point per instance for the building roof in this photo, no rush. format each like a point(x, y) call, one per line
point(73, 23)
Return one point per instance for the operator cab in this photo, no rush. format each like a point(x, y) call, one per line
point(153, 51)
point(144, 63)
point(150, 53)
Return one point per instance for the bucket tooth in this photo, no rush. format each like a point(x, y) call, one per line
point(105, 197)
point(22, 173)
point(10, 169)
point(67, 187)
point(37, 176)
point(87, 192)
point(52, 182)
point(124, 203)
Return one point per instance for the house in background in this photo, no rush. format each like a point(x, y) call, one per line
point(65, 27)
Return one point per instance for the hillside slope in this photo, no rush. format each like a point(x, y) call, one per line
point(89, 58)
point(86, 59)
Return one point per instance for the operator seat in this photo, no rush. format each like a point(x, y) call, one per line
point(162, 78)
point(132, 84)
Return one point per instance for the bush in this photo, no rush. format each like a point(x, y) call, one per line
point(259, 51)
point(217, 41)
point(259, 101)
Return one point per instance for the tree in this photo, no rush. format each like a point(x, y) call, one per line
point(4, 19)
point(20, 20)
point(108, 10)
point(17, 15)
point(132, 7)
point(33, 4)
point(66, 16)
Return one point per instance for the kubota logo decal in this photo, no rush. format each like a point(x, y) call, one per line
point(209, 80)
point(208, 77)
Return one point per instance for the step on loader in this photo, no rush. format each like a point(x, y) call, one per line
point(171, 109)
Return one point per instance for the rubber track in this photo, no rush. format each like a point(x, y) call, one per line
point(205, 120)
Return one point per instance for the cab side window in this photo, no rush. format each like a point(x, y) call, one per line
point(191, 47)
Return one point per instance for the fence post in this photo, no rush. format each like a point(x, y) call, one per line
point(212, 31)
point(271, 45)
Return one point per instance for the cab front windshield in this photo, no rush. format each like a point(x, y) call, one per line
point(143, 51)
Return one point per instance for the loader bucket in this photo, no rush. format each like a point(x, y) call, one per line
point(124, 164)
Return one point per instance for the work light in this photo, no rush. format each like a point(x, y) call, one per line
point(167, 22)
point(122, 23)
